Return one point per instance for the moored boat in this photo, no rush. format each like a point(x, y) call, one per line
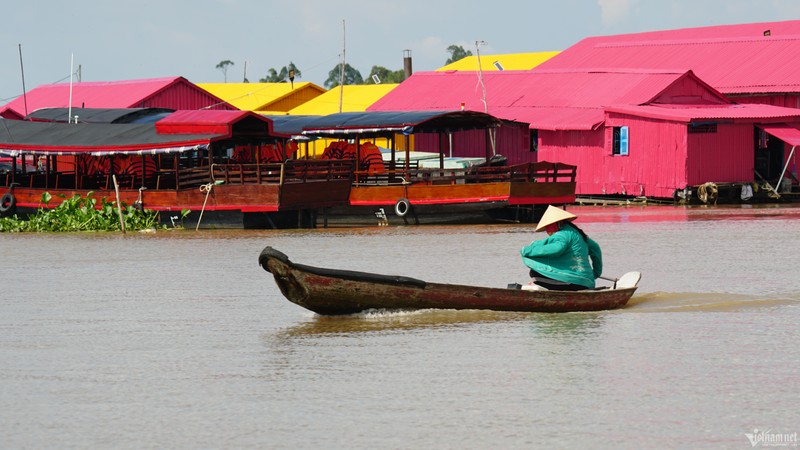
point(438, 185)
point(335, 292)
point(228, 168)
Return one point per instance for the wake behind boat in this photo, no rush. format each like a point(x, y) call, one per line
point(334, 292)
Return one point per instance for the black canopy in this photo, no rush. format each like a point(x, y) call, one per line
point(378, 123)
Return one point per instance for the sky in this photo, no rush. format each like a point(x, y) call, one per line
point(43, 42)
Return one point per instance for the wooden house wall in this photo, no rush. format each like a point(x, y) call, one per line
point(724, 156)
point(584, 149)
point(183, 96)
point(657, 156)
point(655, 165)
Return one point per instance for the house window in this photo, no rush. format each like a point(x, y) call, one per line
point(534, 145)
point(619, 145)
point(702, 128)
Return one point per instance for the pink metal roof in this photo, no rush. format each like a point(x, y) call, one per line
point(581, 89)
point(101, 94)
point(553, 100)
point(785, 132)
point(688, 113)
point(731, 58)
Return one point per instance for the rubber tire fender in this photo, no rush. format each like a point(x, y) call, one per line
point(7, 203)
point(402, 207)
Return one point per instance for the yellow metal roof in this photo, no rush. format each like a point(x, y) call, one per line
point(354, 98)
point(264, 96)
point(509, 61)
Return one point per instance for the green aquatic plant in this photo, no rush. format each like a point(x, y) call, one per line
point(83, 214)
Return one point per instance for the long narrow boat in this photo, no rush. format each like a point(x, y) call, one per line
point(334, 292)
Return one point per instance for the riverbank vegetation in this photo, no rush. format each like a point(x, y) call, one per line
point(82, 214)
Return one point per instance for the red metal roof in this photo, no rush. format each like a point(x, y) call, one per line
point(113, 94)
point(731, 58)
point(212, 122)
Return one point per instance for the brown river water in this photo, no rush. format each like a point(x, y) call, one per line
point(178, 339)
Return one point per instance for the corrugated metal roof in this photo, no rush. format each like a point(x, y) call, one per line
point(431, 90)
point(259, 96)
point(731, 58)
point(508, 61)
point(686, 113)
point(100, 94)
point(531, 96)
point(783, 131)
point(562, 99)
point(355, 98)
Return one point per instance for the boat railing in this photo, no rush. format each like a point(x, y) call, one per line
point(304, 170)
point(543, 172)
point(291, 171)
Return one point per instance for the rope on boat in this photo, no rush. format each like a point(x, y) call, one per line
point(207, 189)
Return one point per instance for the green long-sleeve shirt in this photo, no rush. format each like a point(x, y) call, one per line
point(565, 256)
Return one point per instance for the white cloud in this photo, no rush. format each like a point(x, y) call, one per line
point(614, 12)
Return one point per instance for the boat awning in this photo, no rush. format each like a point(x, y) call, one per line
point(783, 131)
point(375, 123)
point(99, 115)
point(46, 138)
point(291, 125)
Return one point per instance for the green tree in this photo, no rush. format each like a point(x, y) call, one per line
point(385, 75)
point(457, 52)
point(285, 75)
point(223, 66)
point(351, 76)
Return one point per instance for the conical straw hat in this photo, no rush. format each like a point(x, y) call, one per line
point(553, 215)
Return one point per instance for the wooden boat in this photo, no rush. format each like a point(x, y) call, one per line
point(405, 191)
point(228, 168)
point(335, 292)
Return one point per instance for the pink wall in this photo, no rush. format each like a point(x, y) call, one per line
point(722, 157)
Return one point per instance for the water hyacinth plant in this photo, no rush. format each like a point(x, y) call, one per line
point(82, 214)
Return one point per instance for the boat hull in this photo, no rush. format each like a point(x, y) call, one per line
point(336, 292)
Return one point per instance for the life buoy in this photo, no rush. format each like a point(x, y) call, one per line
point(402, 207)
point(7, 203)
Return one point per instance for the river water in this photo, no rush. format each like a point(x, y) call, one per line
point(179, 339)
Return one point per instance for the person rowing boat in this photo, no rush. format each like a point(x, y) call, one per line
point(567, 259)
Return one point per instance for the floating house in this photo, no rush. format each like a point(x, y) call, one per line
point(645, 131)
point(755, 63)
point(173, 93)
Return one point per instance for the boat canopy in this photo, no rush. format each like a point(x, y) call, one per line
point(179, 131)
point(99, 115)
point(381, 123)
point(44, 138)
